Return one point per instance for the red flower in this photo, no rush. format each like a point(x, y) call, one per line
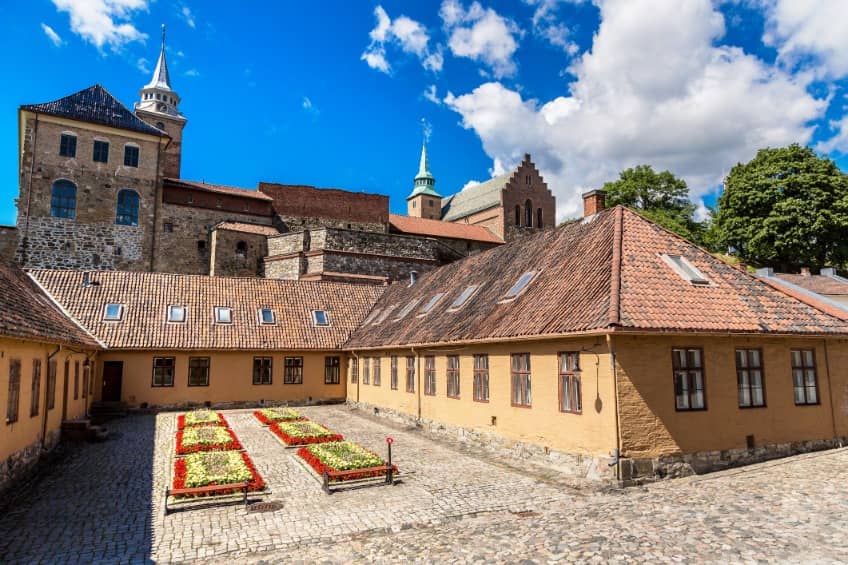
point(320, 467)
point(232, 445)
point(221, 422)
point(255, 484)
point(267, 421)
point(291, 440)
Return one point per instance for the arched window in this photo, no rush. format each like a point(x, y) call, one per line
point(528, 214)
point(63, 204)
point(517, 215)
point(538, 217)
point(127, 208)
point(241, 249)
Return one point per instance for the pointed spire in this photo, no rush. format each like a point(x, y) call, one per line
point(161, 79)
point(424, 165)
point(425, 182)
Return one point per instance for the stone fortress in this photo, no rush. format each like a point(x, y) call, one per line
point(100, 189)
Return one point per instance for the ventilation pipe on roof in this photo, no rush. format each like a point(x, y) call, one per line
point(594, 201)
point(805, 271)
point(86, 279)
point(413, 277)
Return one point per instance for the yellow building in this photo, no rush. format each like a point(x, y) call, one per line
point(44, 372)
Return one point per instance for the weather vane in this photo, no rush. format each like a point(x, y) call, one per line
point(426, 129)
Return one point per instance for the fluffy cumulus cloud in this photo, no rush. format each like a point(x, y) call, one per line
point(654, 88)
point(482, 35)
point(404, 33)
point(547, 26)
point(104, 22)
point(51, 35)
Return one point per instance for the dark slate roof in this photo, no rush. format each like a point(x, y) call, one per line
point(603, 274)
point(95, 105)
point(26, 312)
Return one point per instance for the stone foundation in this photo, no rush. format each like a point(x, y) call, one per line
point(21, 462)
point(585, 467)
point(638, 471)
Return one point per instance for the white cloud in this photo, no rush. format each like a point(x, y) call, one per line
point(431, 95)
point(548, 27)
point(192, 73)
point(816, 28)
point(407, 34)
point(469, 184)
point(188, 16)
point(838, 143)
point(104, 22)
point(51, 35)
point(309, 107)
point(653, 89)
point(482, 35)
point(143, 65)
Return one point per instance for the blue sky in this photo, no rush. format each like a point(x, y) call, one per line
point(332, 93)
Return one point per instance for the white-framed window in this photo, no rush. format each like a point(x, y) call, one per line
point(266, 317)
point(686, 270)
point(407, 309)
point(223, 315)
point(113, 312)
point(320, 318)
point(431, 303)
point(463, 298)
point(519, 286)
point(177, 313)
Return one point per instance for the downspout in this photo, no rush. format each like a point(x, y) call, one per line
point(617, 453)
point(156, 195)
point(25, 246)
point(46, 393)
point(90, 381)
point(418, 380)
point(357, 375)
point(830, 390)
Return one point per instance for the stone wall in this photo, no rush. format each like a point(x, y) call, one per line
point(228, 261)
point(172, 155)
point(328, 207)
point(19, 464)
point(182, 228)
point(8, 242)
point(90, 239)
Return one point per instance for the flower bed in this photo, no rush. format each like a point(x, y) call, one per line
point(303, 432)
point(270, 415)
point(343, 456)
point(206, 438)
point(201, 418)
point(216, 468)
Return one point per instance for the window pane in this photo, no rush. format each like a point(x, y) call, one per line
point(812, 395)
point(808, 358)
point(796, 358)
point(757, 379)
point(566, 393)
point(695, 358)
point(578, 394)
point(516, 389)
point(799, 395)
point(678, 357)
point(741, 358)
point(698, 399)
point(528, 399)
point(755, 357)
point(757, 397)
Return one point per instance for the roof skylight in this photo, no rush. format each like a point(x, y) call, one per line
point(520, 285)
point(382, 317)
point(371, 317)
point(685, 269)
point(223, 315)
point(464, 296)
point(113, 312)
point(408, 308)
point(177, 313)
point(430, 303)
point(266, 316)
point(320, 318)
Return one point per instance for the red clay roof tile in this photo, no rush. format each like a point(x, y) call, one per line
point(437, 228)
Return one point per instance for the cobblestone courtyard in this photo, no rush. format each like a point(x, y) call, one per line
point(104, 502)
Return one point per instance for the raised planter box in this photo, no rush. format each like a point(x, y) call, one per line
point(302, 432)
point(270, 415)
point(345, 463)
point(229, 472)
point(201, 418)
point(206, 438)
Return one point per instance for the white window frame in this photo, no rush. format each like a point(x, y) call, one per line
point(699, 278)
point(430, 304)
point(533, 276)
point(217, 315)
point(106, 312)
point(170, 317)
point(407, 309)
point(454, 307)
point(315, 319)
point(262, 321)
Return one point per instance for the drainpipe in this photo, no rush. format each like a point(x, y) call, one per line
point(830, 390)
point(418, 380)
point(357, 375)
point(88, 396)
point(617, 453)
point(46, 393)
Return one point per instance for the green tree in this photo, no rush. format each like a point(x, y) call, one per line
point(786, 208)
point(661, 197)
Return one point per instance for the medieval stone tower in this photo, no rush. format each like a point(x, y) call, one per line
point(424, 201)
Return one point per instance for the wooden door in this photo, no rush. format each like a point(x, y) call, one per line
point(113, 374)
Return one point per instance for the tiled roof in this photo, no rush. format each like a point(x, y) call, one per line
point(601, 274)
point(97, 106)
point(26, 312)
point(820, 284)
point(219, 188)
point(146, 297)
point(436, 228)
point(243, 227)
point(474, 198)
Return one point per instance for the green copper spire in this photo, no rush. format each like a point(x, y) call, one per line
point(425, 182)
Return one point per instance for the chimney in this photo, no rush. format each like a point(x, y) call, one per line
point(413, 276)
point(765, 272)
point(594, 201)
point(86, 279)
point(805, 271)
point(828, 271)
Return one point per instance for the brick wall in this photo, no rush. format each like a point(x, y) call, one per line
point(91, 239)
point(8, 242)
point(299, 201)
point(526, 184)
point(186, 196)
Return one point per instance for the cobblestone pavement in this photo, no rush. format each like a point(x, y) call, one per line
point(97, 504)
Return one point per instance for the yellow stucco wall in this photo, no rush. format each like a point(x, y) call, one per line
point(650, 425)
point(28, 429)
point(592, 432)
point(230, 378)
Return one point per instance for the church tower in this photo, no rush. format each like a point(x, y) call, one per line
point(424, 201)
point(159, 107)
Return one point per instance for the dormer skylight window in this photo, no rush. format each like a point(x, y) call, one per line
point(464, 297)
point(266, 317)
point(371, 317)
point(113, 312)
point(320, 318)
point(430, 303)
point(223, 315)
point(685, 269)
point(176, 313)
point(407, 309)
point(520, 285)
point(385, 314)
